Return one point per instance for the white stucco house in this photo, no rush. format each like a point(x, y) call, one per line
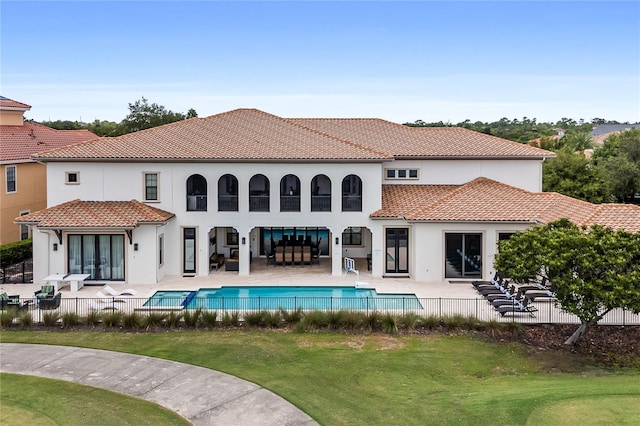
point(425, 203)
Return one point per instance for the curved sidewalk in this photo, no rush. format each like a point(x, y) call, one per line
point(202, 396)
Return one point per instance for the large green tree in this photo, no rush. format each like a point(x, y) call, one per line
point(591, 271)
point(143, 115)
point(619, 157)
point(574, 175)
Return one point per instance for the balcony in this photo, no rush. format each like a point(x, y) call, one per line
point(289, 203)
point(227, 203)
point(259, 203)
point(321, 203)
point(197, 203)
point(351, 203)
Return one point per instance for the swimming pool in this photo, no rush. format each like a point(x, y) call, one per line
point(243, 298)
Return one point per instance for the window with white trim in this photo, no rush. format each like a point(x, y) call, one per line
point(151, 192)
point(10, 179)
point(399, 174)
point(72, 178)
point(24, 229)
point(161, 250)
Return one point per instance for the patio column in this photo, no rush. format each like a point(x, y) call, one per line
point(244, 246)
point(335, 248)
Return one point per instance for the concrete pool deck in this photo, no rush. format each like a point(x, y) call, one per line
point(262, 275)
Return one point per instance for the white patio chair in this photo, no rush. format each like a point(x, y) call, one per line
point(113, 292)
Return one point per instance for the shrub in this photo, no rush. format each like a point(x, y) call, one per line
point(192, 317)
point(431, 322)
point(132, 320)
point(50, 318)
point(209, 319)
point(293, 317)
point(7, 317)
point(389, 323)
point(515, 328)
point(112, 318)
point(231, 319)
point(315, 320)
point(272, 319)
point(352, 320)
point(254, 319)
point(25, 319)
point(70, 319)
point(173, 319)
point(453, 322)
point(17, 252)
point(373, 321)
point(494, 328)
point(154, 320)
point(410, 321)
point(93, 318)
point(335, 319)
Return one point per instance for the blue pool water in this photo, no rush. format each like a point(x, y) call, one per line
point(289, 298)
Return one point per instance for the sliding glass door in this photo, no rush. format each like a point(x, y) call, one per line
point(463, 255)
point(189, 250)
point(101, 256)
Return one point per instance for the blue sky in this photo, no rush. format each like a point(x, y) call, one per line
point(400, 61)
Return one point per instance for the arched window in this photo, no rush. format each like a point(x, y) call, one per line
point(290, 194)
point(259, 194)
point(352, 194)
point(196, 193)
point(320, 194)
point(228, 193)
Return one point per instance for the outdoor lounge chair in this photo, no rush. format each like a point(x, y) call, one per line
point(523, 307)
point(7, 302)
point(93, 305)
point(111, 291)
point(109, 299)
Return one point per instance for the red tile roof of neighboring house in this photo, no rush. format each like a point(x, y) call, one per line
point(96, 214)
point(22, 142)
point(10, 104)
point(250, 134)
point(485, 200)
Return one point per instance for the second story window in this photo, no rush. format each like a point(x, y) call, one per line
point(321, 194)
point(259, 194)
point(72, 178)
point(290, 194)
point(10, 179)
point(352, 194)
point(151, 187)
point(228, 193)
point(196, 193)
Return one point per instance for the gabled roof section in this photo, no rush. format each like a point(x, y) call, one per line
point(243, 134)
point(402, 141)
point(22, 142)
point(96, 214)
point(11, 105)
point(485, 200)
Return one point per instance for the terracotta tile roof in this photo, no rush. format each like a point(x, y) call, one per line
point(249, 134)
point(96, 214)
point(10, 104)
point(244, 134)
point(485, 200)
point(425, 142)
point(22, 142)
point(617, 216)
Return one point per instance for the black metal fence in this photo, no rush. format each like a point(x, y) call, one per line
point(543, 313)
point(18, 273)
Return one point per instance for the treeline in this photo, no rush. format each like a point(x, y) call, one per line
point(602, 173)
point(142, 115)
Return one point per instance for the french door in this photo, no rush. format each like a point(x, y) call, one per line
point(397, 245)
point(189, 250)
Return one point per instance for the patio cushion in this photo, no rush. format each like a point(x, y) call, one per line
point(4, 296)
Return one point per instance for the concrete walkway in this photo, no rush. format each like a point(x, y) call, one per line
point(202, 396)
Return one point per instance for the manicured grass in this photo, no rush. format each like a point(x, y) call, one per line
point(34, 401)
point(346, 379)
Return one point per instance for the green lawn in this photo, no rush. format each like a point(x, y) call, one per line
point(342, 379)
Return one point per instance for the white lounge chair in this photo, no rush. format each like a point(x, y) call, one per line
point(93, 305)
point(109, 299)
point(113, 292)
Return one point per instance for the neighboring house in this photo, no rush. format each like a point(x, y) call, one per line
point(23, 180)
point(426, 203)
point(600, 133)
